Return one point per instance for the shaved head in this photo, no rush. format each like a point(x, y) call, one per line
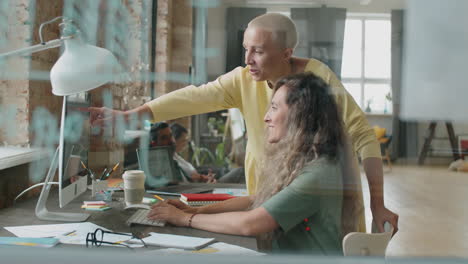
point(283, 29)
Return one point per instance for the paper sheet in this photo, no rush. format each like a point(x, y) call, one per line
point(51, 230)
point(62, 232)
point(175, 241)
point(219, 248)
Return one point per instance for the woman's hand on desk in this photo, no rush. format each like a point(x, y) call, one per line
point(181, 206)
point(169, 213)
point(208, 178)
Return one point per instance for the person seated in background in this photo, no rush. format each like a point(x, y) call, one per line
point(180, 134)
point(306, 177)
point(161, 135)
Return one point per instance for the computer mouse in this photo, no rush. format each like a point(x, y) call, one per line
point(138, 206)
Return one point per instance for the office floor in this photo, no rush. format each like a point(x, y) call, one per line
point(432, 203)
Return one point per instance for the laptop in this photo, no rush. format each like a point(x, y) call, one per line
point(158, 165)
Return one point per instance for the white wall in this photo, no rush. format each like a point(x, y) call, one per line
point(216, 38)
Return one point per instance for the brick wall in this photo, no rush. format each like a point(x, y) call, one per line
point(30, 88)
point(173, 44)
point(25, 86)
point(15, 84)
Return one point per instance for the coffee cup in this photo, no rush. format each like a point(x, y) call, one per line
point(134, 186)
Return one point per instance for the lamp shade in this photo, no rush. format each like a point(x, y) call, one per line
point(81, 68)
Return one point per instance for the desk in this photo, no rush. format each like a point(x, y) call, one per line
point(22, 213)
point(14, 156)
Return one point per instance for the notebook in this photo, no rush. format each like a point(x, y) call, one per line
point(29, 241)
point(175, 241)
point(199, 199)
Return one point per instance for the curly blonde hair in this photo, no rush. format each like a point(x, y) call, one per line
point(315, 129)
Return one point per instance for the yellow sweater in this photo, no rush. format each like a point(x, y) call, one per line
point(236, 89)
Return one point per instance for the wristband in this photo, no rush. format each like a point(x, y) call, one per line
point(190, 220)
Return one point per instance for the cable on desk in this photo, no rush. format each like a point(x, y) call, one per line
point(32, 187)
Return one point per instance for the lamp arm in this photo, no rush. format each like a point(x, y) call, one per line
point(39, 47)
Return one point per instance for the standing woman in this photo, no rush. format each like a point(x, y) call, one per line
point(299, 207)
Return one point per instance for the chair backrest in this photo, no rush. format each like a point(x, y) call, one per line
point(364, 244)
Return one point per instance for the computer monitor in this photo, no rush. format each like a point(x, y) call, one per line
point(74, 147)
point(159, 166)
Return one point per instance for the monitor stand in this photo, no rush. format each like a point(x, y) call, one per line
point(41, 208)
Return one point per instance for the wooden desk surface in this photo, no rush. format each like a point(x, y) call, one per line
point(22, 213)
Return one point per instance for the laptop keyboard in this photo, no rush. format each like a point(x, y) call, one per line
point(140, 218)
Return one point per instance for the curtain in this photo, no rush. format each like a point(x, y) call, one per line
point(321, 34)
point(405, 134)
point(237, 19)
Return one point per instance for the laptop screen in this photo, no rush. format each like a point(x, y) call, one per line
point(158, 165)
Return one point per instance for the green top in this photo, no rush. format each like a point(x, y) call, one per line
point(308, 211)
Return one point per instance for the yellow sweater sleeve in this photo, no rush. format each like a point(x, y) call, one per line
point(220, 94)
point(361, 134)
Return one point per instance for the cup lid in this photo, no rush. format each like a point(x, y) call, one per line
point(133, 174)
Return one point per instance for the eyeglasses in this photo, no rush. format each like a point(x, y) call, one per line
point(96, 238)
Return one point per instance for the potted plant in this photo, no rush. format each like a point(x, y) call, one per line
point(388, 97)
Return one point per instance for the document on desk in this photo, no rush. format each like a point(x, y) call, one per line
point(29, 241)
point(219, 248)
point(72, 233)
point(52, 230)
point(232, 191)
point(175, 241)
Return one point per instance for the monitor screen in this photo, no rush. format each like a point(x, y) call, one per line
point(159, 166)
point(74, 146)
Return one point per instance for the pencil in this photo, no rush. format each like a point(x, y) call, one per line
point(158, 197)
point(116, 165)
point(69, 233)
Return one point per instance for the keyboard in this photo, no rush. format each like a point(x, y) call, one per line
point(140, 218)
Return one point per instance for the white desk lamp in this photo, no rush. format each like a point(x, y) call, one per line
point(80, 68)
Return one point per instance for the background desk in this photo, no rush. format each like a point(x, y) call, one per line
point(114, 219)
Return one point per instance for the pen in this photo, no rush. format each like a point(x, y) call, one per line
point(158, 197)
point(111, 171)
point(91, 174)
point(69, 233)
point(103, 173)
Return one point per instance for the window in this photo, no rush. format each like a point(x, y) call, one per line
point(366, 69)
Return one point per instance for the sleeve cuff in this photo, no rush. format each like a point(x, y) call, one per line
point(371, 150)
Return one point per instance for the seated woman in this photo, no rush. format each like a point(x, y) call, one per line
point(299, 206)
point(161, 136)
point(180, 135)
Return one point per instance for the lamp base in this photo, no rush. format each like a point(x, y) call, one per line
point(41, 208)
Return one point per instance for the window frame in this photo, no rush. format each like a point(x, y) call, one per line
point(362, 80)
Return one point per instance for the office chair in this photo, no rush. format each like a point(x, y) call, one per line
point(384, 141)
point(364, 244)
